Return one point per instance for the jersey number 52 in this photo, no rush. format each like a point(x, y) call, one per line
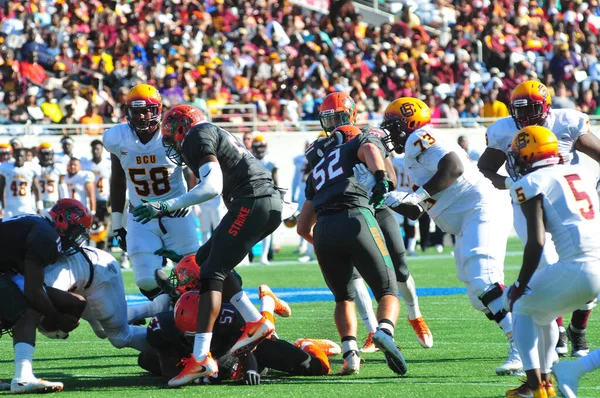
point(326, 169)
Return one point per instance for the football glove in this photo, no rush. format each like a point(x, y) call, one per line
point(382, 186)
point(121, 235)
point(148, 211)
point(252, 378)
point(364, 176)
point(170, 254)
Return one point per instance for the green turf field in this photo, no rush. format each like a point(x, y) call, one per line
point(467, 347)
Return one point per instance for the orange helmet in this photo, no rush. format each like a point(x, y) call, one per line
point(5, 152)
point(186, 312)
point(530, 104)
point(175, 126)
point(186, 275)
point(259, 146)
point(144, 108)
point(98, 232)
point(401, 118)
point(532, 147)
point(72, 220)
point(346, 133)
point(338, 109)
point(45, 153)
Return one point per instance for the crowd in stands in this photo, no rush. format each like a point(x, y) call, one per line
point(74, 61)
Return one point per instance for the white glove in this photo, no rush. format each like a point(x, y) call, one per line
point(364, 176)
point(394, 199)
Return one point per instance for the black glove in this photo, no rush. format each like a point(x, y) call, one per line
point(120, 235)
point(252, 378)
point(382, 186)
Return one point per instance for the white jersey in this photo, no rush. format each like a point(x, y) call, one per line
point(62, 158)
point(299, 181)
point(76, 185)
point(49, 179)
point(403, 181)
point(18, 198)
point(424, 149)
point(570, 204)
point(268, 163)
point(101, 173)
point(567, 124)
point(150, 174)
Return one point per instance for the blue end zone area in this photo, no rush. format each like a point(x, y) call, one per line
point(310, 295)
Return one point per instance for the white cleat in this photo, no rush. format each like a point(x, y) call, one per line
point(567, 375)
point(35, 386)
point(351, 363)
point(513, 365)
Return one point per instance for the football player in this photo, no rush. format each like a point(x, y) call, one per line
point(5, 152)
point(223, 165)
point(30, 243)
point(338, 220)
point(530, 105)
point(338, 109)
point(67, 146)
point(100, 166)
point(141, 168)
point(560, 201)
point(259, 150)
point(19, 186)
point(52, 177)
point(460, 201)
point(80, 184)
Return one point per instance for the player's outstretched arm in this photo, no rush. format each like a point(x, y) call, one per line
point(489, 164)
point(590, 145)
point(306, 221)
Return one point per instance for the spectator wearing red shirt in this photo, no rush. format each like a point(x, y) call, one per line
point(32, 71)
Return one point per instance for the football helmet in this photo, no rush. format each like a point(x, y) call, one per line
point(72, 220)
point(175, 126)
point(530, 104)
point(45, 153)
point(401, 118)
point(259, 147)
point(5, 152)
point(532, 147)
point(292, 221)
point(337, 109)
point(186, 312)
point(98, 232)
point(144, 107)
point(186, 275)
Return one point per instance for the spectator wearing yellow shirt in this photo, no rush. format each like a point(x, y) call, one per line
point(492, 108)
point(50, 107)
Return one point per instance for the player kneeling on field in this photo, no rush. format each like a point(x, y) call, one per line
point(560, 200)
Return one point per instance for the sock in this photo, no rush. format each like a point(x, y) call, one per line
point(579, 319)
point(303, 245)
point(24, 361)
point(387, 326)
point(267, 304)
point(266, 244)
point(408, 291)
point(364, 304)
point(559, 322)
point(138, 339)
point(548, 337)
point(349, 344)
point(591, 361)
point(497, 306)
point(136, 312)
point(412, 244)
point(201, 345)
point(242, 303)
point(526, 341)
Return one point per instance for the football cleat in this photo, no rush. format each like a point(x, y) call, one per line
point(254, 334)
point(567, 374)
point(561, 345)
point(424, 336)
point(281, 307)
point(35, 386)
point(329, 347)
point(351, 363)
point(193, 370)
point(369, 346)
point(393, 356)
point(579, 346)
point(513, 365)
point(525, 391)
point(550, 390)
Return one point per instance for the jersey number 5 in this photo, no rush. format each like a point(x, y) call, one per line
point(579, 196)
point(319, 173)
point(160, 181)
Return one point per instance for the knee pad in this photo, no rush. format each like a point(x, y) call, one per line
point(493, 293)
point(401, 270)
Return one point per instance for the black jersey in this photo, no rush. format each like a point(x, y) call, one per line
point(243, 175)
point(331, 184)
point(27, 236)
point(162, 332)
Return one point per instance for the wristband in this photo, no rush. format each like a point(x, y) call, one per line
point(116, 219)
point(508, 182)
point(380, 175)
point(422, 194)
point(39, 205)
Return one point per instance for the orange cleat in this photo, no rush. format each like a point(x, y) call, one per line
point(254, 334)
point(424, 336)
point(314, 351)
point(369, 346)
point(281, 307)
point(524, 391)
point(193, 370)
point(329, 347)
point(549, 386)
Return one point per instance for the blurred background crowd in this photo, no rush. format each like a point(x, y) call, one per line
point(70, 61)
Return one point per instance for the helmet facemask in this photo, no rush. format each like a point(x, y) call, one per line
point(144, 119)
point(526, 113)
point(330, 119)
point(173, 153)
point(395, 135)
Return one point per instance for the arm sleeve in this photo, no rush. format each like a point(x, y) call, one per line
point(209, 186)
